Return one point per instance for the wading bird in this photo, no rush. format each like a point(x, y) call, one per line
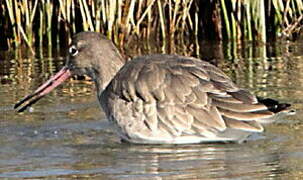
point(163, 99)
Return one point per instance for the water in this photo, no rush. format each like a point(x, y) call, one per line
point(66, 135)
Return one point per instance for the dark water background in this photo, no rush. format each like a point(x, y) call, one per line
point(67, 136)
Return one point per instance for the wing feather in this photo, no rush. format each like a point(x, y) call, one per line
point(239, 107)
point(246, 116)
point(171, 96)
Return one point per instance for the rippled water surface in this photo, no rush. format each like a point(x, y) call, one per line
point(67, 136)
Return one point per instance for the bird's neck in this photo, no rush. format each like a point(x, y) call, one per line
point(104, 72)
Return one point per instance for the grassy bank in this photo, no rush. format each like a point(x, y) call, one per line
point(45, 22)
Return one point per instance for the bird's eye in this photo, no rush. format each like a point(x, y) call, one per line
point(73, 51)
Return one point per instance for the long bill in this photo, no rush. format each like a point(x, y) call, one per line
point(44, 89)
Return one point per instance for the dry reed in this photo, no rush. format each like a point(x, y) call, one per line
point(43, 22)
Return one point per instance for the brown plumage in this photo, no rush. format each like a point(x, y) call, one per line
point(167, 98)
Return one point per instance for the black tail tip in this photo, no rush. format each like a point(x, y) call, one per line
point(273, 105)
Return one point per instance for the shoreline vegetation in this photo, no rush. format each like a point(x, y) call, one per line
point(40, 23)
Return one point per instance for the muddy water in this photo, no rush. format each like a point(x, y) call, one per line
point(67, 136)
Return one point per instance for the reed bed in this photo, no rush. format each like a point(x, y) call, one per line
point(45, 22)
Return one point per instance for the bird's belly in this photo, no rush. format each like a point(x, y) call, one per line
point(230, 135)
